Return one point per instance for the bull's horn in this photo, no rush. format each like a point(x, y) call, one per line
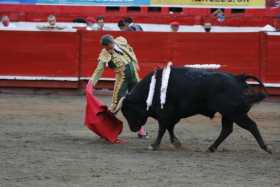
point(119, 106)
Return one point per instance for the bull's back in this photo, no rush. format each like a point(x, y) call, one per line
point(204, 92)
point(200, 82)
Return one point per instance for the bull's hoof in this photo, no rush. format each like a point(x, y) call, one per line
point(268, 149)
point(153, 147)
point(177, 144)
point(211, 149)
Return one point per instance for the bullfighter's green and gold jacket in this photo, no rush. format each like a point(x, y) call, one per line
point(122, 56)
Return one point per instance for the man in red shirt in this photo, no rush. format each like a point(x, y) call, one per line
point(174, 26)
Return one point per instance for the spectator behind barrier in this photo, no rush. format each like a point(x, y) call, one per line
point(100, 25)
point(5, 22)
point(174, 26)
point(91, 23)
point(80, 24)
point(273, 3)
point(128, 21)
point(79, 20)
point(219, 14)
point(268, 28)
point(207, 27)
point(51, 25)
point(123, 27)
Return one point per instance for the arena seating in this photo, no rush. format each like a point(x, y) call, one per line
point(163, 15)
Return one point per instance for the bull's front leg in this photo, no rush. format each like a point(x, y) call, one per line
point(173, 139)
point(161, 132)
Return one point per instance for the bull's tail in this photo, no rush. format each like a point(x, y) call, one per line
point(253, 95)
point(244, 78)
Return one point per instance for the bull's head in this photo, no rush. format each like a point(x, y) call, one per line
point(134, 113)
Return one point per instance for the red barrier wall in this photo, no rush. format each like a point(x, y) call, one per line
point(182, 48)
point(39, 54)
point(89, 53)
point(236, 52)
point(272, 65)
point(150, 52)
point(67, 58)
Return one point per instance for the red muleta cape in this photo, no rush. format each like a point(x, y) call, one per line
point(99, 119)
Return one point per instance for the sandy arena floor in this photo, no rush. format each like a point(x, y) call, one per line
point(43, 143)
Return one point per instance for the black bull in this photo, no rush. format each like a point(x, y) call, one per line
point(195, 91)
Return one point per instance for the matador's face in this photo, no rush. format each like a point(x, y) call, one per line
point(109, 47)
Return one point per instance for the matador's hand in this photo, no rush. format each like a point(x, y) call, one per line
point(112, 108)
point(137, 67)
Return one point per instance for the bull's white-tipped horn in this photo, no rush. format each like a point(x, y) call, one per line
point(119, 106)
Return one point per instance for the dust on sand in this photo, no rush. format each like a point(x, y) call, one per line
point(43, 143)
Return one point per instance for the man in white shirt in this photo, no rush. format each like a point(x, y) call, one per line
point(131, 25)
point(51, 24)
point(99, 25)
